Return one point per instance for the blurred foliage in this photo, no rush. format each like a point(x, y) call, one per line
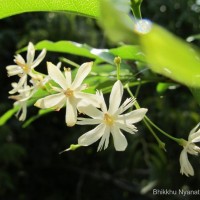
point(30, 164)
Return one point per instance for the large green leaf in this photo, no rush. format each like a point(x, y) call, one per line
point(170, 56)
point(165, 53)
point(116, 22)
point(126, 52)
point(86, 7)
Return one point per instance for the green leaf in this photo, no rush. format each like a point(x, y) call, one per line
point(170, 56)
point(116, 22)
point(126, 52)
point(166, 54)
point(129, 52)
point(6, 116)
point(12, 7)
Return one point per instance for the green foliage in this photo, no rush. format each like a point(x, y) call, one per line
point(143, 166)
point(88, 8)
point(180, 64)
point(120, 27)
point(171, 57)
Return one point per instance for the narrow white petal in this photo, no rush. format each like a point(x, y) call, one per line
point(51, 101)
point(81, 87)
point(101, 101)
point(88, 121)
point(104, 140)
point(71, 113)
point(19, 85)
point(115, 97)
point(120, 141)
point(92, 136)
point(68, 76)
point(13, 67)
point(128, 103)
point(39, 59)
point(91, 111)
point(13, 70)
point(56, 75)
point(133, 116)
point(23, 112)
point(82, 72)
point(19, 59)
point(195, 137)
point(127, 127)
point(186, 167)
point(30, 53)
point(87, 98)
point(194, 129)
point(192, 149)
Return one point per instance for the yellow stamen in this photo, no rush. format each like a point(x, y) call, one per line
point(69, 92)
point(108, 119)
point(24, 67)
point(67, 69)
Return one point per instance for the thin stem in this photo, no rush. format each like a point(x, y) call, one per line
point(178, 140)
point(138, 89)
point(160, 143)
point(69, 62)
point(117, 62)
point(148, 121)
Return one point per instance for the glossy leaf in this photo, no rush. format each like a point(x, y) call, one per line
point(126, 52)
point(116, 22)
point(170, 56)
point(10, 7)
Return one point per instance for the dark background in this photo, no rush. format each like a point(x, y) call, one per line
point(30, 164)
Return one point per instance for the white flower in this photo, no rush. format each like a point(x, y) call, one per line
point(40, 80)
point(69, 92)
point(111, 120)
point(24, 68)
point(25, 93)
point(191, 148)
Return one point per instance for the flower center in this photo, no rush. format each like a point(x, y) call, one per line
point(24, 67)
point(69, 92)
point(108, 119)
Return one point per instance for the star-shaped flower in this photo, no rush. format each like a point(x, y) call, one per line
point(110, 120)
point(24, 68)
point(191, 148)
point(69, 93)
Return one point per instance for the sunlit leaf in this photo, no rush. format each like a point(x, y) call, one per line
point(129, 52)
point(10, 7)
point(166, 54)
point(126, 52)
point(116, 22)
point(170, 56)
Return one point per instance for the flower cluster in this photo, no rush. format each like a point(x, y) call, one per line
point(61, 90)
point(70, 93)
point(24, 70)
